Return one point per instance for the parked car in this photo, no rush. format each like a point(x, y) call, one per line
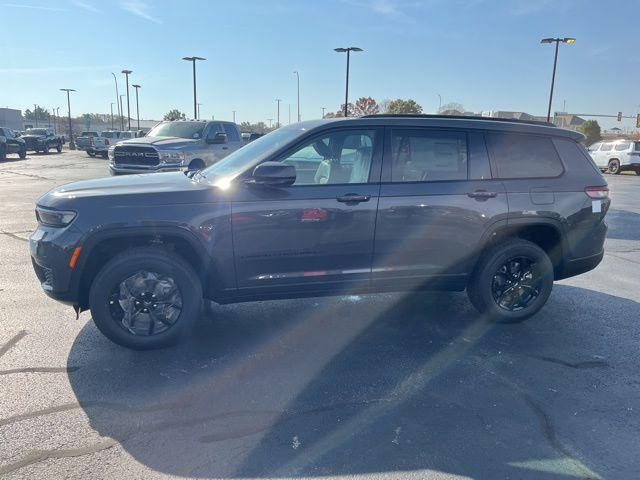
point(330, 207)
point(41, 140)
point(100, 145)
point(10, 143)
point(616, 156)
point(177, 145)
point(85, 142)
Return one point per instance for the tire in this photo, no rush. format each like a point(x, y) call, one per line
point(59, 147)
point(614, 166)
point(195, 165)
point(488, 279)
point(45, 149)
point(3, 152)
point(104, 155)
point(91, 153)
point(138, 265)
point(22, 153)
point(637, 171)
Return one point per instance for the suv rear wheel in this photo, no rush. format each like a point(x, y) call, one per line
point(145, 298)
point(614, 166)
point(512, 281)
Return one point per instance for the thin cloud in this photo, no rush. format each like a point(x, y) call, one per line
point(86, 6)
point(392, 9)
point(140, 8)
point(34, 7)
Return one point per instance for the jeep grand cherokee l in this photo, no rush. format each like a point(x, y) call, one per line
point(330, 207)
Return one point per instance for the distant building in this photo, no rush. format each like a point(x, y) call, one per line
point(568, 121)
point(11, 118)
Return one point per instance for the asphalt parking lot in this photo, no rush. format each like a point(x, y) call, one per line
point(384, 386)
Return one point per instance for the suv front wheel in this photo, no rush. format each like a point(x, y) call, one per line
point(512, 281)
point(145, 298)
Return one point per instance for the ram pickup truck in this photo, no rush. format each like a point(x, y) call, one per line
point(176, 145)
point(84, 141)
point(11, 143)
point(101, 144)
point(41, 140)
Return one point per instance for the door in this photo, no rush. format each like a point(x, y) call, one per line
point(437, 200)
point(604, 154)
point(214, 151)
point(594, 151)
point(316, 234)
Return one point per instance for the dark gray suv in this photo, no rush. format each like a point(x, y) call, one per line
point(330, 207)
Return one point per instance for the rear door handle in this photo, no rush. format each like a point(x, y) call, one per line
point(482, 194)
point(353, 198)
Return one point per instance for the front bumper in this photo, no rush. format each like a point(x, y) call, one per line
point(130, 169)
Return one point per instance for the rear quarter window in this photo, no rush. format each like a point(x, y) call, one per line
point(621, 147)
point(524, 156)
point(232, 132)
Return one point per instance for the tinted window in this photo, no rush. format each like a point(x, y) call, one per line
point(522, 156)
point(606, 147)
point(428, 155)
point(594, 147)
point(622, 146)
point(336, 158)
point(178, 129)
point(213, 129)
point(232, 132)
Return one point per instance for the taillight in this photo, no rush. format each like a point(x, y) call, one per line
point(597, 192)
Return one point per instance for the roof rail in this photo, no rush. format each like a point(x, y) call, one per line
point(458, 117)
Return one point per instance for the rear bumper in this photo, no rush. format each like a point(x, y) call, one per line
point(576, 266)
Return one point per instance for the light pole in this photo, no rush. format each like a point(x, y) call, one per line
point(35, 113)
point(323, 109)
point(195, 102)
point(53, 114)
point(115, 79)
point(298, 83)
point(557, 41)
point(137, 105)
point(234, 116)
point(439, 102)
point(112, 116)
point(269, 120)
point(121, 116)
point(198, 115)
point(72, 146)
point(346, 91)
point(278, 115)
point(126, 74)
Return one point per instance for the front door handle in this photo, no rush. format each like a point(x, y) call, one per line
point(225, 148)
point(482, 195)
point(353, 198)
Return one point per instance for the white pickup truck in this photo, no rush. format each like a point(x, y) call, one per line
point(100, 145)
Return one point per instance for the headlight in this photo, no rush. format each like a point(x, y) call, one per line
point(54, 218)
point(172, 157)
point(110, 153)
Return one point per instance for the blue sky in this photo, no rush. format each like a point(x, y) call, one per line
point(484, 54)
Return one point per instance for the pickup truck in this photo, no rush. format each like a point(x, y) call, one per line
point(101, 144)
point(41, 140)
point(83, 142)
point(11, 143)
point(179, 145)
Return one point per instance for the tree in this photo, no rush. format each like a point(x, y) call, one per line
point(399, 106)
point(451, 106)
point(259, 127)
point(174, 114)
point(351, 111)
point(366, 106)
point(38, 111)
point(591, 129)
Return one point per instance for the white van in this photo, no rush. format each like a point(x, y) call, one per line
point(616, 156)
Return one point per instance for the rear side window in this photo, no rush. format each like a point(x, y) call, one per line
point(621, 147)
point(595, 147)
point(606, 147)
point(232, 132)
point(428, 156)
point(524, 156)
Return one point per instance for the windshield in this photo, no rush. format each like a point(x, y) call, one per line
point(36, 131)
point(190, 130)
point(250, 155)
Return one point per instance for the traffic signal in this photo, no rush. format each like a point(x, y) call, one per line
point(638, 121)
point(619, 116)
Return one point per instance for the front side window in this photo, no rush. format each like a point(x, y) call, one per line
point(621, 147)
point(232, 132)
point(428, 156)
point(524, 156)
point(336, 158)
point(606, 147)
point(595, 147)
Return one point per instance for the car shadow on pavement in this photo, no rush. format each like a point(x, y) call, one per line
point(623, 225)
point(380, 384)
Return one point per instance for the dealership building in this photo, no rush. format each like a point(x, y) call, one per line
point(11, 118)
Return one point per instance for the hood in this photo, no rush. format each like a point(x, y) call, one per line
point(150, 189)
point(32, 135)
point(168, 142)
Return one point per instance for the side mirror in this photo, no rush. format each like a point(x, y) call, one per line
point(274, 174)
point(218, 138)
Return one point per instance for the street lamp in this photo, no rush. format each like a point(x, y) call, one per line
point(198, 116)
point(439, 102)
point(121, 116)
point(195, 102)
point(126, 74)
point(112, 116)
point(35, 113)
point(137, 105)
point(72, 146)
point(323, 109)
point(298, 82)
point(348, 50)
point(115, 79)
point(278, 100)
point(234, 116)
point(557, 41)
